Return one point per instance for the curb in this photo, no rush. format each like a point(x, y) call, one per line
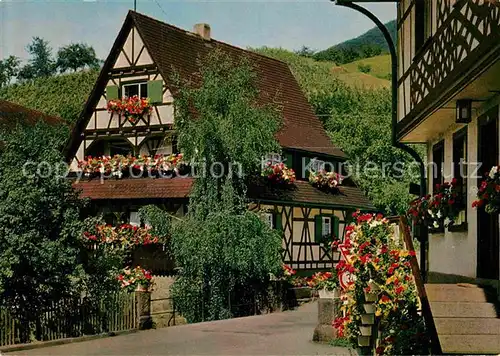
point(41, 344)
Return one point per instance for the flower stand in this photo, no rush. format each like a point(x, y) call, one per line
point(364, 341)
point(366, 330)
point(369, 308)
point(371, 297)
point(367, 319)
point(328, 310)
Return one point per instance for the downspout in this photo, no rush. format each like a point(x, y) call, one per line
point(394, 90)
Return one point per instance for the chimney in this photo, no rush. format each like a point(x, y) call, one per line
point(202, 30)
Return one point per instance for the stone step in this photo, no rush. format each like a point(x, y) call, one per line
point(470, 344)
point(463, 310)
point(455, 293)
point(467, 326)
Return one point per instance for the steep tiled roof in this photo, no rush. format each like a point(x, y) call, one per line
point(174, 49)
point(147, 188)
point(11, 113)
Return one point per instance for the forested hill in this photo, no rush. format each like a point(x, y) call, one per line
point(369, 44)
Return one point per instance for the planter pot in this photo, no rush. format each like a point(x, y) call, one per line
point(364, 341)
point(367, 319)
point(370, 308)
point(328, 294)
point(365, 330)
point(371, 297)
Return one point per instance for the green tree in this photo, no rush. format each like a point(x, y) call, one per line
point(220, 247)
point(76, 56)
point(41, 62)
point(42, 219)
point(9, 68)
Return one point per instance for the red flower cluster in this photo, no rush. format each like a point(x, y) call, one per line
point(489, 192)
point(136, 279)
point(132, 108)
point(438, 210)
point(125, 235)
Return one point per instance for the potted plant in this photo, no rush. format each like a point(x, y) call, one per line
point(133, 108)
point(327, 284)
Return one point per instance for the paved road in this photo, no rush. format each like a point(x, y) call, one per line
point(287, 333)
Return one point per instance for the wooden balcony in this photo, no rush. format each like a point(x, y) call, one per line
point(465, 45)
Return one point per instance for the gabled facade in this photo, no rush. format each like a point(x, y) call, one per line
point(449, 96)
point(142, 61)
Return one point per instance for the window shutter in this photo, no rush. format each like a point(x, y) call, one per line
point(278, 225)
point(289, 159)
point(155, 91)
point(318, 229)
point(335, 227)
point(112, 92)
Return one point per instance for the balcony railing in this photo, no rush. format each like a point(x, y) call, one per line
point(469, 31)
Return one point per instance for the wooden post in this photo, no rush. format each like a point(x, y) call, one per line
point(144, 320)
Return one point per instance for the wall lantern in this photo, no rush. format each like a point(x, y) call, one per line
point(464, 111)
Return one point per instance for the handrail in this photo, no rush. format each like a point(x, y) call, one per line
point(426, 308)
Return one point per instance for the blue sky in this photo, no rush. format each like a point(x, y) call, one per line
point(286, 23)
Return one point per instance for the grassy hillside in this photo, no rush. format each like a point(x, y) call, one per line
point(380, 66)
point(61, 95)
point(321, 75)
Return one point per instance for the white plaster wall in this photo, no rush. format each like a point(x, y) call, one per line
point(456, 252)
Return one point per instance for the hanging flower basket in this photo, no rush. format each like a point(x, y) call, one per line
point(133, 108)
point(364, 341)
point(439, 210)
point(326, 181)
point(366, 330)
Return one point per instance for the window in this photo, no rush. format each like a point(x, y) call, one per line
point(460, 164)
point(134, 218)
point(438, 162)
point(326, 227)
point(139, 89)
point(269, 218)
point(109, 148)
point(273, 158)
point(273, 220)
point(423, 22)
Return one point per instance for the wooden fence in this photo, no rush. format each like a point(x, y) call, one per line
point(71, 318)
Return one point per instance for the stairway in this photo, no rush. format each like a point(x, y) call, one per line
point(467, 322)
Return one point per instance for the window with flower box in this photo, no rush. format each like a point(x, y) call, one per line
point(152, 89)
point(132, 89)
point(273, 220)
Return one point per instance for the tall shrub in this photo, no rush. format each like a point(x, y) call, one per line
point(220, 246)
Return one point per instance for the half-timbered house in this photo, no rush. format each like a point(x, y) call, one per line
point(144, 56)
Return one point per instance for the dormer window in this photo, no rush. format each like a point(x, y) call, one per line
point(132, 89)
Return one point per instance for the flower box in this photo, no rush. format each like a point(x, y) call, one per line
point(302, 292)
point(366, 330)
point(278, 173)
point(364, 341)
point(371, 297)
point(327, 181)
point(132, 108)
point(367, 319)
point(370, 308)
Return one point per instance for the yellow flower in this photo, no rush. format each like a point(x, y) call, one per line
point(390, 279)
point(403, 254)
point(378, 312)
